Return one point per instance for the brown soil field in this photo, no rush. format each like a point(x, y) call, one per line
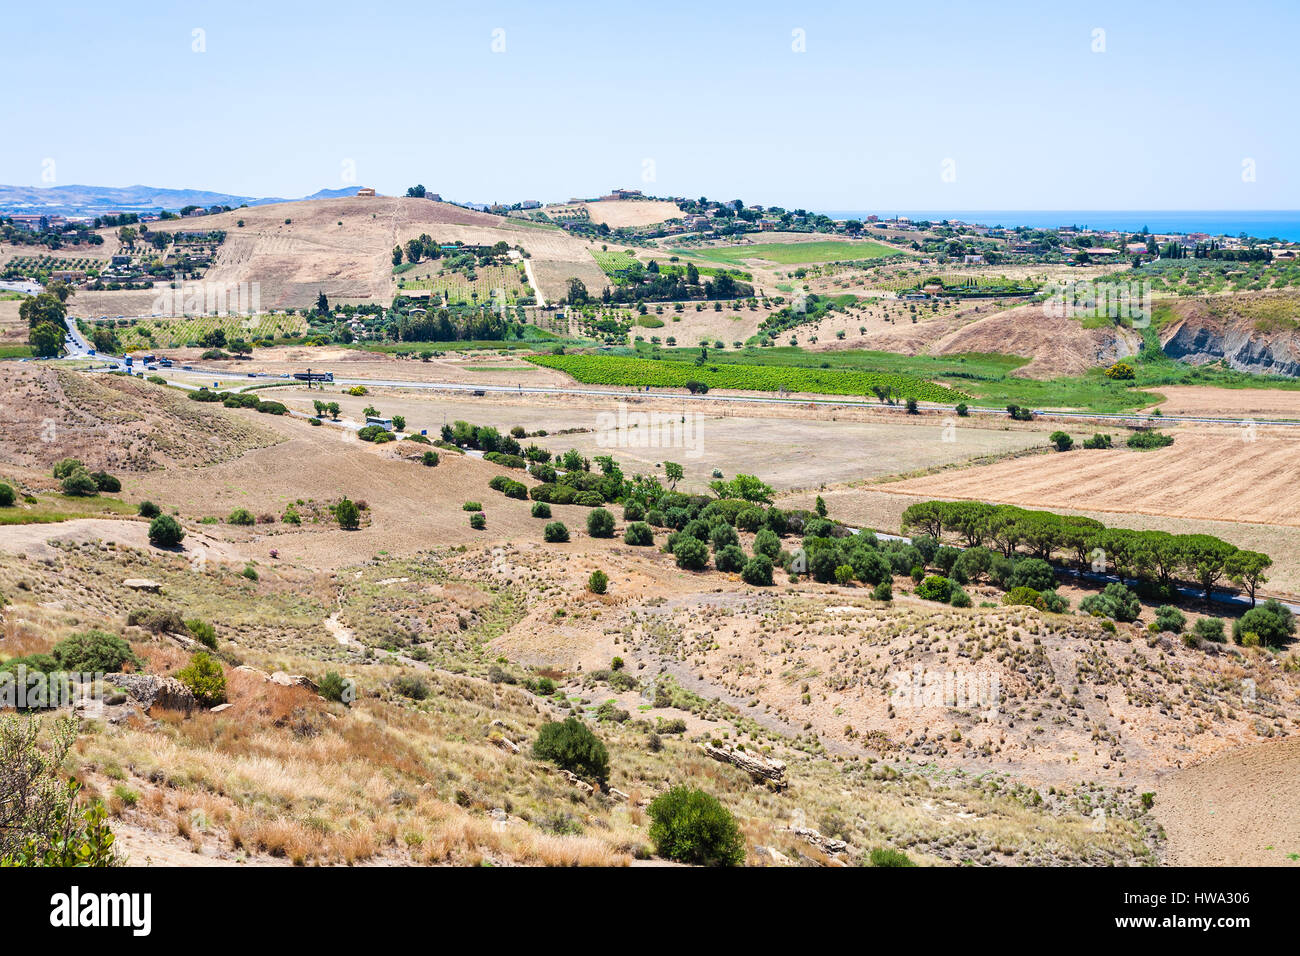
point(631, 212)
point(1205, 400)
point(1207, 473)
point(1238, 809)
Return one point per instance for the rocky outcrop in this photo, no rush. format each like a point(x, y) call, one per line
point(150, 690)
point(762, 769)
point(1240, 345)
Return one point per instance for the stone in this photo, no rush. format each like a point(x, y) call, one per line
point(150, 690)
point(760, 768)
point(143, 584)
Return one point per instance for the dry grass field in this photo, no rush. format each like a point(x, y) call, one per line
point(1204, 400)
point(617, 213)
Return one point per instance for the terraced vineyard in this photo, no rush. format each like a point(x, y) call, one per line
point(175, 333)
point(459, 289)
point(630, 371)
point(613, 262)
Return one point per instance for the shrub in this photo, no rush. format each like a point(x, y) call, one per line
point(66, 467)
point(884, 591)
point(1209, 629)
point(472, 506)
point(1271, 623)
point(541, 509)
point(1170, 619)
point(410, 686)
point(149, 510)
point(241, 516)
point(729, 558)
point(692, 554)
point(640, 534)
point(767, 543)
point(691, 826)
point(106, 482)
point(935, 588)
point(333, 686)
point(1145, 440)
point(80, 484)
point(598, 582)
point(1054, 602)
point(1115, 601)
point(555, 532)
point(1061, 440)
point(959, 598)
point(600, 523)
point(205, 679)
point(249, 572)
point(348, 514)
point(844, 574)
point(203, 632)
point(885, 857)
point(92, 652)
point(7, 495)
point(723, 535)
point(572, 746)
point(1024, 597)
point(1033, 573)
point(165, 532)
point(478, 521)
point(429, 459)
point(757, 571)
point(633, 512)
point(1098, 440)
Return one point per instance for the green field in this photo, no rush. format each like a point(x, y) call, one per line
point(15, 351)
point(633, 371)
point(460, 289)
point(175, 333)
point(792, 253)
point(51, 508)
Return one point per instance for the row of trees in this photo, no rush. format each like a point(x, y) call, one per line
point(1155, 558)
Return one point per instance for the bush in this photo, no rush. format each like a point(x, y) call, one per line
point(723, 535)
point(598, 582)
point(429, 459)
point(884, 857)
point(572, 746)
point(600, 523)
point(1033, 573)
point(1098, 440)
point(541, 509)
point(478, 521)
point(348, 514)
point(1271, 623)
point(7, 495)
point(757, 571)
point(633, 512)
point(729, 558)
point(555, 532)
point(472, 506)
point(1061, 441)
point(935, 588)
point(1054, 602)
point(410, 686)
point(640, 534)
point(1024, 597)
point(884, 591)
point(692, 554)
point(241, 516)
point(80, 484)
point(959, 598)
point(333, 686)
point(691, 826)
point(1145, 440)
point(94, 651)
point(1170, 619)
point(1209, 629)
point(205, 679)
point(1115, 602)
point(165, 532)
point(106, 482)
point(149, 510)
point(203, 632)
point(66, 467)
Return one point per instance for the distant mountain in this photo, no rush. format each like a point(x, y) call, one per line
point(94, 200)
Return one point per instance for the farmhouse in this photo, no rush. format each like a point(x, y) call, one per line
point(366, 191)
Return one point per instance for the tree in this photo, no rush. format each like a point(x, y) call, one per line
point(1206, 558)
point(1272, 623)
point(415, 192)
point(1061, 440)
point(1246, 568)
point(600, 523)
point(578, 294)
point(46, 340)
point(1115, 601)
point(555, 533)
point(744, 487)
point(691, 826)
point(639, 534)
point(348, 514)
point(333, 409)
point(598, 582)
point(673, 473)
point(399, 423)
point(105, 340)
point(322, 304)
point(572, 746)
point(80, 484)
point(691, 553)
point(165, 531)
point(757, 571)
point(397, 255)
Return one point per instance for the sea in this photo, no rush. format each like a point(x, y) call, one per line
point(1260, 224)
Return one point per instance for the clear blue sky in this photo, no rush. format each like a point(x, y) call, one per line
point(713, 94)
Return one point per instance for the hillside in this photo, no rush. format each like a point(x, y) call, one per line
point(1252, 332)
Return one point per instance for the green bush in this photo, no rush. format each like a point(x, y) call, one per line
point(205, 679)
point(600, 523)
point(472, 506)
point(80, 484)
point(1033, 573)
point(348, 514)
point(884, 591)
point(729, 558)
point(7, 495)
point(959, 598)
point(1145, 440)
point(333, 686)
point(1061, 440)
point(203, 632)
point(555, 532)
point(757, 571)
point(598, 582)
point(429, 459)
point(885, 857)
point(1054, 602)
point(1024, 597)
point(1115, 601)
point(640, 534)
point(633, 512)
point(106, 482)
point(478, 520)
point(541, 509)
point(67, 466)
point(165, 532)
point(1271, 622)
point(1170, 619)
point(935, 588)
point(242, 516)
point(149, 510)
point(410, 686)
point(691, 826)
point(1209, 629)
point(691, 553)
point(572, 746)
point(94, 651)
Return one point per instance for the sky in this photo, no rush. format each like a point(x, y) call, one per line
point(866, 105)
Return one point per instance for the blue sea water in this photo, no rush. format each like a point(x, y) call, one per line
point(1262, 224)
